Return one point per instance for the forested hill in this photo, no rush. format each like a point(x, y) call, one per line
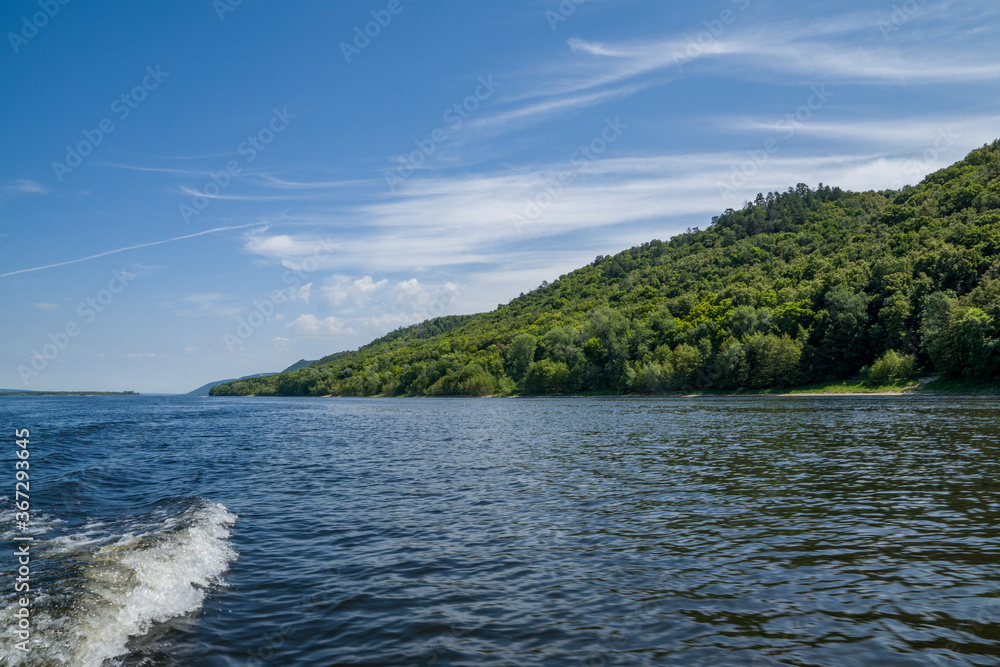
point(797, 287)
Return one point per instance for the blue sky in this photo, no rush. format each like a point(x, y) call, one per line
point(200, 190)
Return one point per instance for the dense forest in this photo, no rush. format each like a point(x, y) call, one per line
point(797, 287)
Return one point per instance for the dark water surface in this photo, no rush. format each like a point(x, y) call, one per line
point(715, 531)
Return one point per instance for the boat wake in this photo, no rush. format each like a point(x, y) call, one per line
point(108, 583)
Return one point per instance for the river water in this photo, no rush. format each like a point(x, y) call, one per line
point(613, 531)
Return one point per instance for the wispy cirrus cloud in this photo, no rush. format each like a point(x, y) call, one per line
point(469, 220)
point(846, 49)
point(159, 170)
point(127, 248)
point(20, 187)
point(283, 184)
point(900, 134)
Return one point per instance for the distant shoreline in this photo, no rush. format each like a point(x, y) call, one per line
point(69, 393)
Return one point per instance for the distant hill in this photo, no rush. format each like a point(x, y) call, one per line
point(797, 287)
point(205, 388)
point(298, 365)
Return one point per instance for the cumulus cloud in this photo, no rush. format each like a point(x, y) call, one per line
point(374, 307)
point(342, 290)
point(310, 325)
point(405, 296)
point(302, 293)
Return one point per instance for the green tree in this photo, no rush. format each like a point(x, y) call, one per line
point(686, 361)
point(547, 377)
point(890, 367)
point(607, 346)
point(977, 349)
point(650, 378)
point(839, 338)
point(787, 318)
point(935, 329)
point(728, 363)
point(747, 320)
point(770, 361)
point(520, 355)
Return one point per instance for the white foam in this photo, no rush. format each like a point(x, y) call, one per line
point(39, 524)
point(144, 577)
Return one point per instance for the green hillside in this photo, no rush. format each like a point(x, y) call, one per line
point(799, 287)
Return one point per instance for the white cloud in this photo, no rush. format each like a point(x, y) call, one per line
point(46, 306)
point(23, 186)
point(373, 308)
point(411, 286)
point(294, 294)
point(299, 253)
point(282, 184)
point(280, 245)
point(341, 290)
point(310, 325)
point(593, 48)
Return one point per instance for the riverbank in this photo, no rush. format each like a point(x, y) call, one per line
point(923, 386)
point(927, 386)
